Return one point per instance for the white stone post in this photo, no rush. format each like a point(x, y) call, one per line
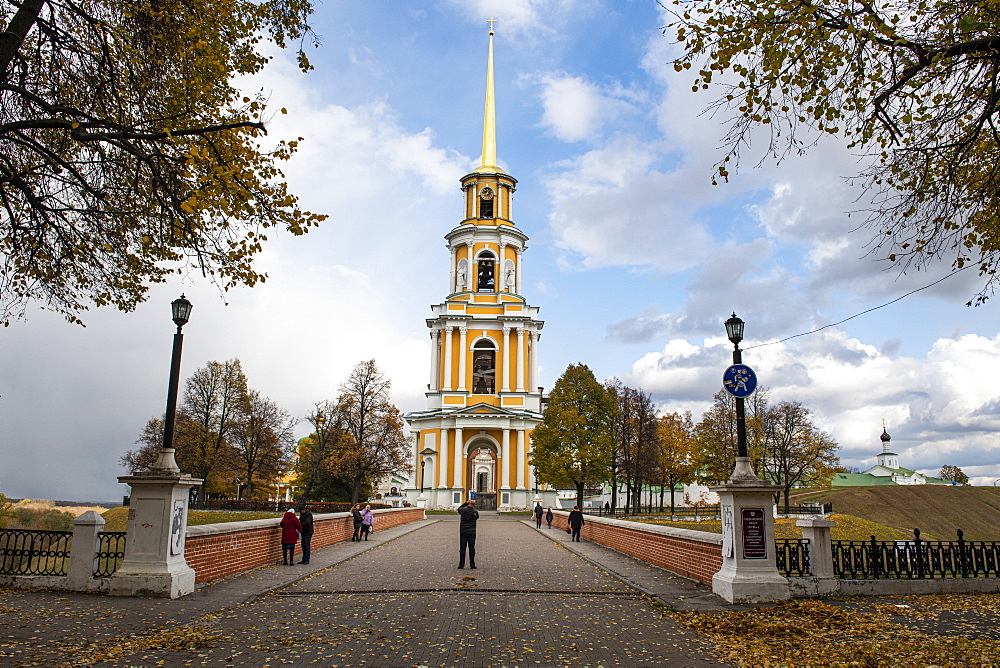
point(154, 562)
point(817, 532)
point(86, 545)
point(749, 572)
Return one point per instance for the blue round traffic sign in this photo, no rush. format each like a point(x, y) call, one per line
point(739, 380)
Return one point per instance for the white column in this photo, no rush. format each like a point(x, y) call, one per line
point(442, 467)
point(468, 279)
point(520, 459)
point(532, 362)
point(459, 481)
point(453, 286)
point(463, 354)
point(505, 361)
point(446, 384)
point(435, 358)
point(520, 359)
point(505, 454)
point(517, 276)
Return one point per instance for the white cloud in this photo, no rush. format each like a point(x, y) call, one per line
point(940, 409)
point(574, 109)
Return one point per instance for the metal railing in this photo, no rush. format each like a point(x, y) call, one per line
point(34, 552)
point(110, 554)
point(792, 556)
point(917, 558)
point(655, 511)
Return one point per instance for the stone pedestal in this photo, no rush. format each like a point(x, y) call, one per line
point(154, 562)
point(86, 545)
point(817, 532)
point(749, 573)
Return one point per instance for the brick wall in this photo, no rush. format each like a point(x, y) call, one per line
point(218, 550)
point(693, 554)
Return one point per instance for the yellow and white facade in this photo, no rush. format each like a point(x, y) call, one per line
point(483, 398)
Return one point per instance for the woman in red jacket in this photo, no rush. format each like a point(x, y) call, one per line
point(290, 530)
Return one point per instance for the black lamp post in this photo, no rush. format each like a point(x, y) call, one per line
point(743, 470)
point(426, 452)
point(181, 312)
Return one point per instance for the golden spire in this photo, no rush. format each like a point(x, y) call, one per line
point(489, 163)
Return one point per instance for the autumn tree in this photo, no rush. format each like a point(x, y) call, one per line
point(796, 452)
point(318, 465)
point(714, 455)
point(262, 443)
point(954, 474)
point(224, 432)
point(377, 445)
point(127, 154)
point(913, 86)
point(635, 434)
point(675, 446)
point(572, 446)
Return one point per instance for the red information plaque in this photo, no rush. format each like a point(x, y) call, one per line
point(754, 544)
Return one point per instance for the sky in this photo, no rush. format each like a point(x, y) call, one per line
point(634, 258)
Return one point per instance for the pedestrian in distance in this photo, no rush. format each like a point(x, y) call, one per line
point(358, 519)
point(576, 523)
point(306, 520)
point(367, 520)
point(538, 515)
point(468, 516)
point(291, 529)
point(549, 517)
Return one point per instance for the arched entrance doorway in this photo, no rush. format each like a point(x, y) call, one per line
point(483, 475)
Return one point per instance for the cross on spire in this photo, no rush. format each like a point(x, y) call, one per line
point(491, 21)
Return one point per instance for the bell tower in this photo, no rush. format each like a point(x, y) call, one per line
point(482, 399)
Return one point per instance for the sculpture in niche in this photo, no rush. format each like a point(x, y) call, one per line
point(460, 276)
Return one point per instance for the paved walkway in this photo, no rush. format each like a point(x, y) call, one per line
point(397, 600)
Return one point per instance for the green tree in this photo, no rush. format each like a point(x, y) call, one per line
point(674, 463)
point(795, 451)
point(128, 154)
point(573, 444)
point(914, 86)
point(954, 474)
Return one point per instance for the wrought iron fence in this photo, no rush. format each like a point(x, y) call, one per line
point(792, 556)
point(110, 553)
point(655, 511)
point(917, 558)
point(31, 552)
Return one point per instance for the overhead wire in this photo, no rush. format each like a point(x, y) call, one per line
point(856, 315)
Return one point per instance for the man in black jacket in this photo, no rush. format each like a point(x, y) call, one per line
point(576, 522)
point(306, 520)
point(468, 515)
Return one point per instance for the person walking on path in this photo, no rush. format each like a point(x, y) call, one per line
point(306, 520)
point(468, 515)
point(538, 515)
point(290, 530)
point(576, 523)
point(367, 520)
point(549, 517)
point(358, 519)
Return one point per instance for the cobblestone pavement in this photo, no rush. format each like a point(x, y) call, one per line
point(398, 600)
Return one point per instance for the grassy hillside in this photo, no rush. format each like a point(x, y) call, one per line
point(937, 510)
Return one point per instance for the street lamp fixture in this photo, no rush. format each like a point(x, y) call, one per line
point(426, 452)
point(743, 470)
point(180, 312)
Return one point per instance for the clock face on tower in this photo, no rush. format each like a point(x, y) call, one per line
point(486, 193)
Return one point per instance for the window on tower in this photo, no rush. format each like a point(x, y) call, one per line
point(486, 200)
point(485, 282)
point(484, 367)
